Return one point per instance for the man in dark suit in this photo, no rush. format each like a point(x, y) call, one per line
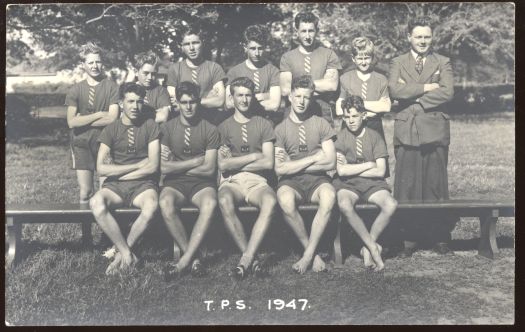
point(422, 82)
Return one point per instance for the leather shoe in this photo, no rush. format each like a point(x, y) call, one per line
point(407, 252)
point(442, 248)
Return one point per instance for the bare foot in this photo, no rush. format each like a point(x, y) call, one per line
point(302, 265)
point(112, 268)
point(365, 253)
point(376, 255)
point(246, 261)
point(128, 261)
point(318, 264)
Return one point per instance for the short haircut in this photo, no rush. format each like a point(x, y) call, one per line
point(303, 82)
point(420, 21)
point(192, 29)
point(130, 87)
point(188, 88)
point(143, 58)
point(245, 82)
point(363, 46)
point(353, 101)
point(306, 17)
point(89, 48)
point(256, 33)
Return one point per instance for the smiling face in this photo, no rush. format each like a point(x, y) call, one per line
point(300, 99)
point(132, 105)
point(192, 46)
point(188, 106)
point(242, 98)
point(306, 33)
point(420, 39)
point(254, 51)
point(93, 65)
point(353, 119)
point(363, 62)
point(146, 75)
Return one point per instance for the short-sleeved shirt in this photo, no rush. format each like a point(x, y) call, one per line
point(267, 76)
point(373, 145)
point(373, 89)
point(91, 99)
point(156, 97)
point(246, 138)
point(188, 142)
point(129, 144)
point(207, 75)
point(300, 140)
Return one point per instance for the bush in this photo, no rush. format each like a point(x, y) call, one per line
point(42, 99)
point(17, 117)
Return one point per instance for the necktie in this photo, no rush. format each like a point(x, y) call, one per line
point(363, 90)
point(359, 147)
point(146, 101)
point(194, 76)
point(187, 134)
point(92, 96)
point(302, 135)
point(419, 64)
point(244, 134)
point(307, 64)
point(131, 140)
point(256, 81)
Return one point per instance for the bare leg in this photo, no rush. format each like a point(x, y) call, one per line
point(170, 200)
point(228, 198)
point(265, 200)
point(85, 183)
point(148, 203)
point(388, 206)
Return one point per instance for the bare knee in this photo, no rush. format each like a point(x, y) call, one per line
point(98, 205)
point(287, 203)
point(226, 203)
point(208, 205)
point(327, 199)
point(149, 207)
point(389, 206)
point(346, 205)
point(167, 204)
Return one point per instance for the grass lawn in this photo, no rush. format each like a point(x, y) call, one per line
point(60, 283)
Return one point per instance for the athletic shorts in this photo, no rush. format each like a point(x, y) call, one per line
point(244, 182)
point(363, 187)
point(189, 185)
point(84, 150)
point(305, 184)
point(129, 190)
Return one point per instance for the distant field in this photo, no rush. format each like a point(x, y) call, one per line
point(58, 282)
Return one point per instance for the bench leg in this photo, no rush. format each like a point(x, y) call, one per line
point(14, 237)
point(338, 253)
point(87, 236)
point(487, 242)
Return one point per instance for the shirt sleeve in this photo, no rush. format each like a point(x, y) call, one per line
point(268, 134)
point(383, 87)
point(154, 132)
point(326, 131)
point(231, 75)
point(344, 93)
point(213, 138)
point(172, 76)
point(113, 93)
point(339, 143)
point(164, 135)
point(217, 74)
point(333, 61)
point(279, 136)
point(274, 76)
point(221, 131)
point(285, 65)
point(72, 96)
point(106, 136)
point(378, 146)
point(164, 98)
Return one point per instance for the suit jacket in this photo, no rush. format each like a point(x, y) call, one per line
point(421, 119)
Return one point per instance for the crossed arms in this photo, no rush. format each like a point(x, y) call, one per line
point(97, 119)
point(198, 166)
point(368, 169)
point(326, 84)
point(250, 162)
point(322, 160)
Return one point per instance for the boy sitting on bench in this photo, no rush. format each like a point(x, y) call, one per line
point(361, 166)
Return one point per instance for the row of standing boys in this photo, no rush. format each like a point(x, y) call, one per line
point(352, 104)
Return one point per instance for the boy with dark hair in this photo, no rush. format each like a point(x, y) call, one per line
point(208, 75)
point(309, 58)
point(245, 158)
point(129, 157)
point(91, 105)
point(304, 152)
point(189, 158)
point(157, 100)
point(361, 166)
point(264, 75)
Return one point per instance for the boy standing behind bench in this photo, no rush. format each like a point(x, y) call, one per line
point(129, 155)
point(361, 167)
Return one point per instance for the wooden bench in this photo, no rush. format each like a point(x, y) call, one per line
point(487, 212)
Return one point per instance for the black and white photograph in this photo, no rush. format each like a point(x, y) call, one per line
point(329, 163)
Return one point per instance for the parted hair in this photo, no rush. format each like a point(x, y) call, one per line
point(420, 21)
point(353, 101)
point(90, 48)
point(306, 17)
point(257, 33)
point(131, 87)
point(188, 88)
point(143, 58)
point(245, 82)
point(362, 45)
point(305, 82)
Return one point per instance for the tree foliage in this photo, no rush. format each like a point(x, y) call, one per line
point(479, 37)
